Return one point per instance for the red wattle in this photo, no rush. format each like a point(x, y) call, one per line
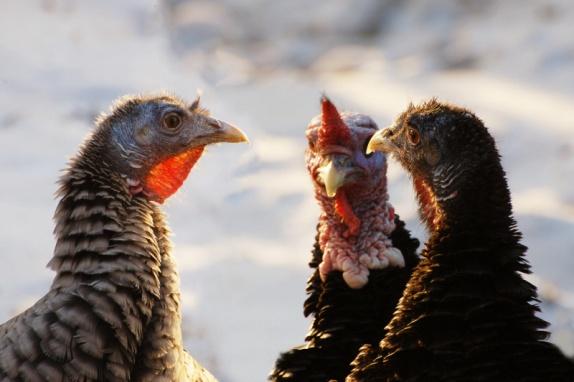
point(345, 211)
point(166, 177)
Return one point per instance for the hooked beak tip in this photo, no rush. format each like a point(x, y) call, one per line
point(370, 147)
point(241, 137)
point(378, 142)
point(230, 133)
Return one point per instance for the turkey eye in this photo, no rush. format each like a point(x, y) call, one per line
point(172, 121)
point(413, 136)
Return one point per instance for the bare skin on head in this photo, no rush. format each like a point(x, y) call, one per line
point(113, 311)
point(160, 139)
point(351, 187)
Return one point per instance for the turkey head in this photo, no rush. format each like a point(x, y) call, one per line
point(154, 141)
point(351, 187)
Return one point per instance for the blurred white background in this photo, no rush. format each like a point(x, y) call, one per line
point(244, 222)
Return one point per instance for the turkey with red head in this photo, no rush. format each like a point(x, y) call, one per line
point(112, 312)
point(363, 255)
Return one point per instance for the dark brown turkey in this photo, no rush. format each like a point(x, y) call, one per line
point(112, 312)
point(467, 314)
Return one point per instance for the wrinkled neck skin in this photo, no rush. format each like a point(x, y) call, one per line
point(370, 249)
point(107, 252)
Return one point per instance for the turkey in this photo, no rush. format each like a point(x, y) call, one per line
point(112, 311)
point(466, 314)
point(363, 255)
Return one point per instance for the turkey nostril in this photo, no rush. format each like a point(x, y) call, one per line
point(387, 133)
point(215, 124)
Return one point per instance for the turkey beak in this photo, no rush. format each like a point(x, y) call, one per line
point(336, 171)
point(381, 141)
point(220, 131)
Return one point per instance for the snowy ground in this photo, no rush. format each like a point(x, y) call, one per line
point(244, 223)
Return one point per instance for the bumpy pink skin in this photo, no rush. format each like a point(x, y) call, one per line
point(356, 255)
point(370, 249)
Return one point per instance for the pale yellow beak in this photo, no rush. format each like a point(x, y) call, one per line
point(332, 178)
point(226, 132)
point(379, 142)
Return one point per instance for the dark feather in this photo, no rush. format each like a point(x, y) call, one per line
point(344, 318)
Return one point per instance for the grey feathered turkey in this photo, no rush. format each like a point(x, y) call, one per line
point(112, 312)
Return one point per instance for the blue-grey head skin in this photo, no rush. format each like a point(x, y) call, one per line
point(143, 130)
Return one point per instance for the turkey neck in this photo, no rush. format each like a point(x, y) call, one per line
point(370, 211)
point(476, 235)
point(106, 250)
point(341, 249)
point(360, 201)
point(470, 271)
point(162, 352)
point(477, 212)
